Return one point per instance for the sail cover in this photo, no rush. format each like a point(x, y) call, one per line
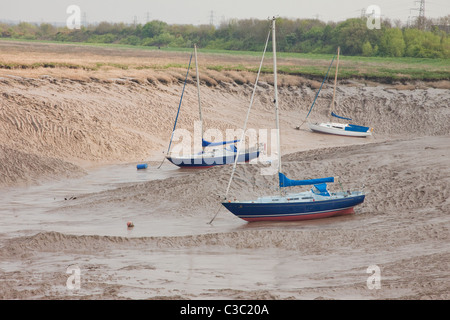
point(335, 115)
point(321, 189)
point(213, 144)
point(355, 127)
point(286, 182)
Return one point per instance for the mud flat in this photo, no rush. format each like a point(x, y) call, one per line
point(57, 134)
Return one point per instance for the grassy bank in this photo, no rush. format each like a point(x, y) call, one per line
point(93, 57)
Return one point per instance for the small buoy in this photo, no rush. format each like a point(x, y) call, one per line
point(130, 224)
point(142, 166)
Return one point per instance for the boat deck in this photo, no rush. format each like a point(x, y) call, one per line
point(307, 196)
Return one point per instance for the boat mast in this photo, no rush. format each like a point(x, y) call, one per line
point(198, 94)
point(276, 93)
point(335, 81)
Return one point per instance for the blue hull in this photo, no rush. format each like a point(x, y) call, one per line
point(213, 161)
point(291, 211)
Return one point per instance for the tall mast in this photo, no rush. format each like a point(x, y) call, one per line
point(335, 81)
point(198, 93)
point(276, 92)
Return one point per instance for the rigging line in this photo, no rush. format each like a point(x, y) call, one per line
point(317, 94)
point(215, 215)
point(245, 125)
point(335, 81)
point(217, 212)
point(178, 112)
point(339, 180)
point(275, 85)
point(198, 93)
point(248, 113)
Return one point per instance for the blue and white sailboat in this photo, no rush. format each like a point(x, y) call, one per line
point(315, 203)
point(343, 129)
point(212, 153)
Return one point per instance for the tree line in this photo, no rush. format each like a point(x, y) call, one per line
point(300, 35)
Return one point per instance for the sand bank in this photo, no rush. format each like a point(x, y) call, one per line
point(56, 132)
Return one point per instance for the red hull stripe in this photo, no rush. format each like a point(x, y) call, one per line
point(302, 216)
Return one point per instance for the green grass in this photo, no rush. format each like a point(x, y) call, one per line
point(316, 65)
point(51, 65)
point(386, 69)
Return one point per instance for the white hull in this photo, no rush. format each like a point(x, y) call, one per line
point(338, 129)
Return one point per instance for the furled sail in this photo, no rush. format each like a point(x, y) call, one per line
point(286, 182)
point(340, 117)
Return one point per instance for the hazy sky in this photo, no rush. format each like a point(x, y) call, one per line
point(201, 11)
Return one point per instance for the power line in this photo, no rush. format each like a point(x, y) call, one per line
point(211, 18)
point(84, 20)
point(421, 16)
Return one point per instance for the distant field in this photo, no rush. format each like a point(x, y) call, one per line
point(42, 56)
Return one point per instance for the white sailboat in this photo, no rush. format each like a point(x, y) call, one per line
point(343, 129)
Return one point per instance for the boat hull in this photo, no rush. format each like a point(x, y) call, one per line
point(339, 129)
point(293, 211)
point(207, 162)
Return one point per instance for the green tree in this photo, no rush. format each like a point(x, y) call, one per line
point(154, 28)
point(367, 49)
point(46, 31)
point(131, 40)
point(392, 43)
point(299, 35)
point(104, 28)
point(350, 35)
point(26, 30)
point(163, 39)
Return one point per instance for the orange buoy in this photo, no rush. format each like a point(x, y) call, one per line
point(130, 224)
